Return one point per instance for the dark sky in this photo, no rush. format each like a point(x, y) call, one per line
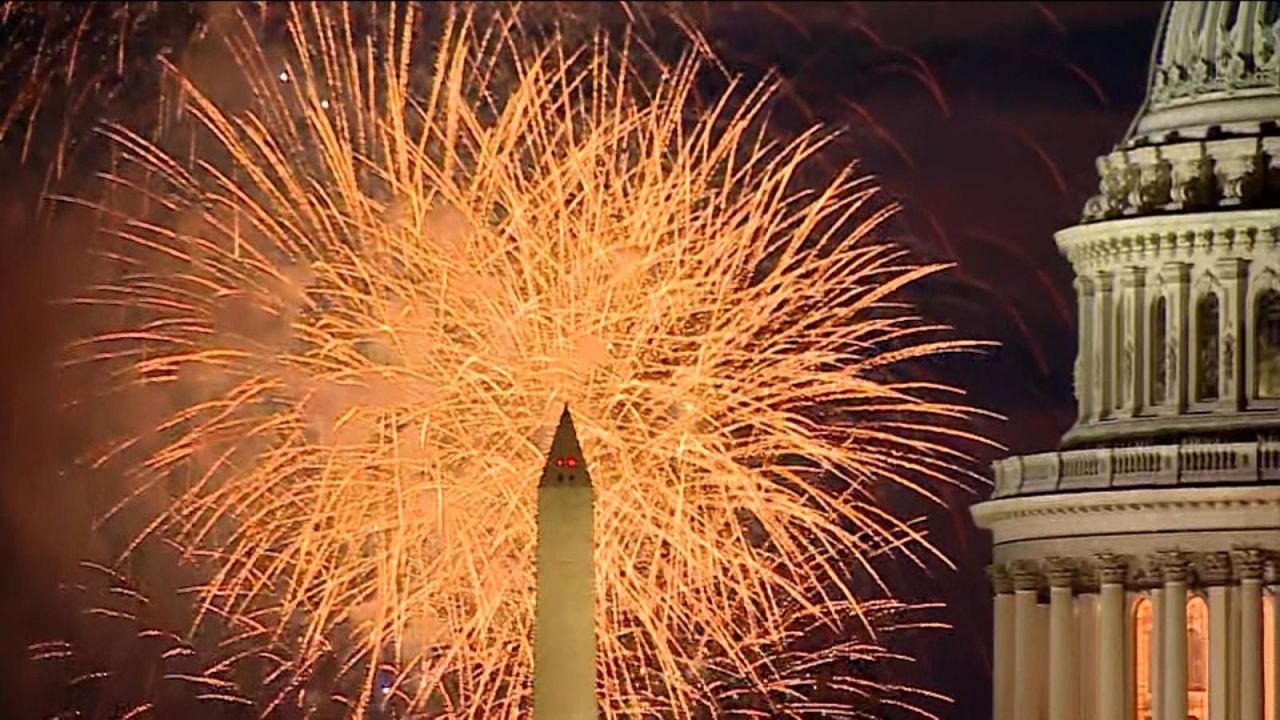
point(982, 119)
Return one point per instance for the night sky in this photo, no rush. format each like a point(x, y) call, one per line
point(989, 153)
point(981, 119)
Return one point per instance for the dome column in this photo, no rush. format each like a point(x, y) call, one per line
point(1002, 670)
point(1249, 568)
point(1216, 574)
point(1112, 572)
point(1156, 656)
point(1026, 655)
point(1086, 372)
point(1062, 639)
point(1130, 360)
point(1178, 278)
point(1174, 572)
point(1234, 273)
point(1273, 578)
point(1104, 346)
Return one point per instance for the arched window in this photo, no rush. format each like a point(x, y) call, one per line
point(1207, 347)
point(1120, 347)
point(1142, 623)
point(1197, 658)
point(1266, 344)
point(1156, 353)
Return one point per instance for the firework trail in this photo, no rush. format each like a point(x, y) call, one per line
point(356, 306)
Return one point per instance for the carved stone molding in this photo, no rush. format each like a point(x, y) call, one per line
point(1240, 168)
point(1061, 571)
point(1174, 566)
point(1193, 177)
point(1153, 241)
point(1249, 563)
point(1154, 181)
point(1026, 576)
point(1215, 568)
point(1112, 569)
point(1001, 580)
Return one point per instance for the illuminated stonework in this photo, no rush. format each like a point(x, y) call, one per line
point(1137, 567)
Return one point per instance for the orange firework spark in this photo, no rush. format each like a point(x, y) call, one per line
point(367, 294)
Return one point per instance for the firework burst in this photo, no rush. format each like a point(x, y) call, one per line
point(356, 302)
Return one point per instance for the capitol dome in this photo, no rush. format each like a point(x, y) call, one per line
point(1137, 567)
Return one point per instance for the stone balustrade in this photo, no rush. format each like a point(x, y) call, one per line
point(1197, 463)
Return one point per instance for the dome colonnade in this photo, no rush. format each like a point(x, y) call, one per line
point(1110, 637)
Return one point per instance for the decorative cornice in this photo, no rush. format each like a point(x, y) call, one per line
point(1139, 502)
point(1165, 238)
point(1244, 512)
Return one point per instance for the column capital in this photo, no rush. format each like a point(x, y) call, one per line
point(1173, 566)
point(1215, 568)
point(1026, 575)
point(1232, 268)
point(1133, 276)
point(1061, 571)
point(1112, 569)
point(1273, 571)
point(1001, 579)
point(1176, 271)
point(1104, 280)
point(1248, 563)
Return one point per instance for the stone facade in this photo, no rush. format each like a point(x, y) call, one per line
point(1136, 570)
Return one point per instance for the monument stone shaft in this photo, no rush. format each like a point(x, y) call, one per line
point(564, 641)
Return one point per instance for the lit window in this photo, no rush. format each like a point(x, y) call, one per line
point(1142, 621)
point(1197, 658)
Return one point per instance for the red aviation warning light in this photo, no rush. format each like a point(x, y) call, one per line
point(565, 465)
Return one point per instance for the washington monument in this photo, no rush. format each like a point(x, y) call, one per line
point(564, 639)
